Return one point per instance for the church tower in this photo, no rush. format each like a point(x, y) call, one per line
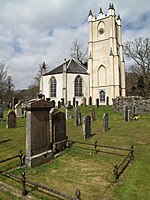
point(105, 56)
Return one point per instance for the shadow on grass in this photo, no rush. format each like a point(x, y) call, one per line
point(4, 141)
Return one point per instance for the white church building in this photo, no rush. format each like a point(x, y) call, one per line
point(104, 78)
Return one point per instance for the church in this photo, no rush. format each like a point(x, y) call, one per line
point(104, 77)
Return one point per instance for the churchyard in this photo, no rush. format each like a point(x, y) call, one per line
point(86, 165)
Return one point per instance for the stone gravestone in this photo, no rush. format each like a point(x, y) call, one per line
point(97, 103)
point(1, 112)
point(38, 149)
point(14, 102)
point(105, 122)
point(59, 104)
point(125, 113)
point(18, 109)
point(92, 114)
point(90, 101)
point(68, 112)
point(86, 127)
point(74, 101)
point(77, 117)
point(84, 101)
point(107, 101)
point(62, 102)
point(133, 111)
point(11, 119)
point(58, 131)
point(77, 104)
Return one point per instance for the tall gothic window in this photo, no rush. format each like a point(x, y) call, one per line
point(102, 96)
point(53, 87)
point(78, 87)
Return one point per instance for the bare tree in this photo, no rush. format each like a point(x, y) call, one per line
point(139, 51)
point(6, 84)
point(79, 52)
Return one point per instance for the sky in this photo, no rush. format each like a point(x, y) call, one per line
point(34, 31)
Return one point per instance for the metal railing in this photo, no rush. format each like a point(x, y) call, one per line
point(20, 156)
point(118, 169)
point(25, 181)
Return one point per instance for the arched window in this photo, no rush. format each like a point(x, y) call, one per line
point(53, 87)
point(78, 87)
point(102, 96)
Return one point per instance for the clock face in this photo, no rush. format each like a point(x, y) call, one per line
point(101, 31)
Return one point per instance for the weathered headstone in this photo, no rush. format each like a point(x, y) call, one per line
point(77, 117)
point(38, 149)
point(129, 114)
point(92, 114)
point(86, 127)
point(97, 103)
point(133, 111)
point(107, 101)
point(68, 112)
point(125, 113)
point(84, 101)
point(18, 109)
point(53, 103)
point(11, 119)
point(74, 101)
point(1, 112)
point(59, 104)
point(62, 102)
point(14, 102)
point(58, 131)
point(105, 122)
point(77, 104)
point(90, 101)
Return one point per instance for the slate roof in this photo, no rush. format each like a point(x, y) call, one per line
point(72, 67)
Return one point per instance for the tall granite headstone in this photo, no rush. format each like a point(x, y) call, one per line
point(68, 112)
point(90, 101)
point(38, 149)
point(86, 127)
point(97, 103)
point(125, 113)
point(105, 122)
point(77, 116)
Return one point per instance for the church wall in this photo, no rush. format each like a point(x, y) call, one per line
point(70, 87)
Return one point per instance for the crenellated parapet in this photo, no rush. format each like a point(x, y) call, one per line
point(102, 15)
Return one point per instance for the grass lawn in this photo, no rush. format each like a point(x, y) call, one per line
point(79, 167)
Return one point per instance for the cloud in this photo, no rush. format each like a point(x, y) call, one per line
point(33, 31)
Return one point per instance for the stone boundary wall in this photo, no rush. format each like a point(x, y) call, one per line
point(142, 105)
